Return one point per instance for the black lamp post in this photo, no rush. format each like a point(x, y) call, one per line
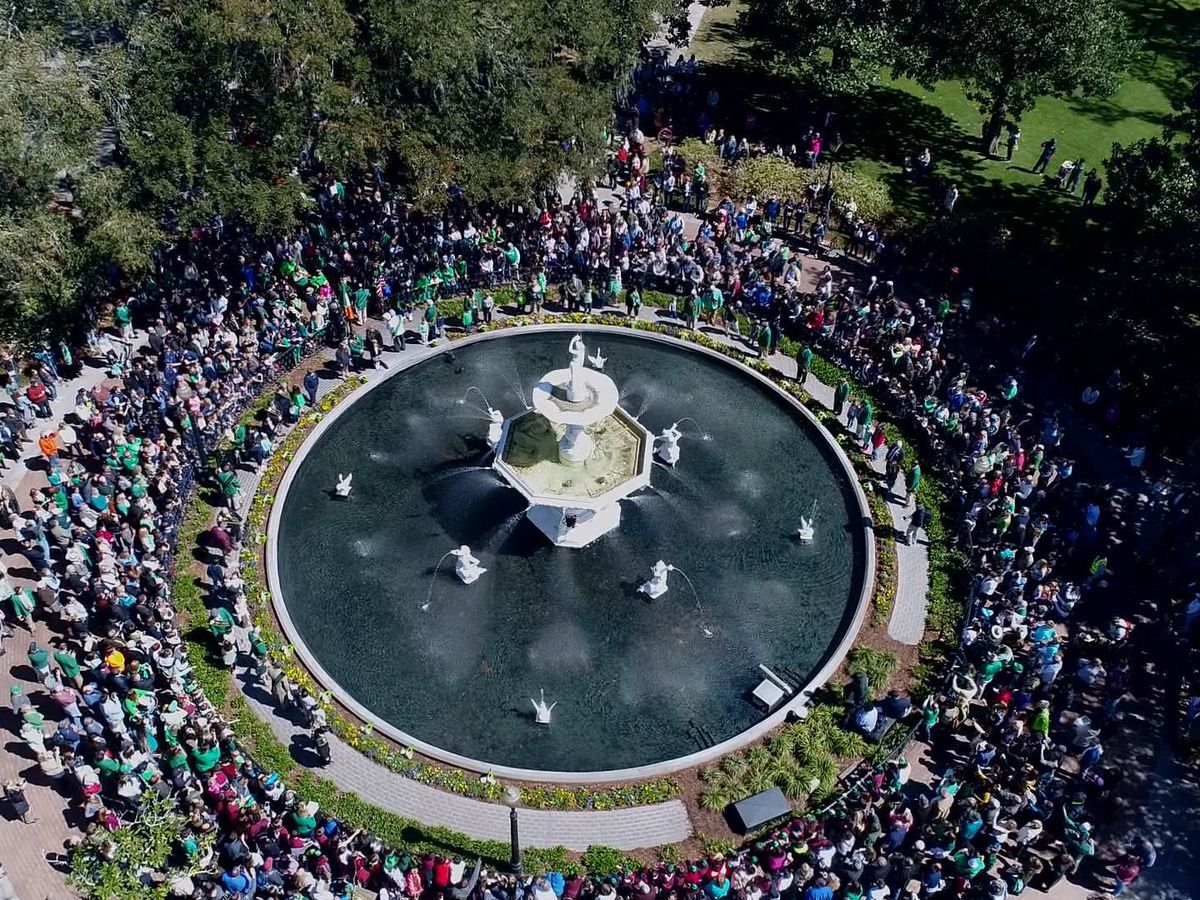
point(512, 796)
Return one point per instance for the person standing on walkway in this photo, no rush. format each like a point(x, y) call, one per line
point(803, 363)
point(920, 515)
point(840, 396)
point(14, 794)
point(914, 480)
point(866, 416)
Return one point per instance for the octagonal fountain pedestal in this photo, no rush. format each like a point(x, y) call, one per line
point(576, 454)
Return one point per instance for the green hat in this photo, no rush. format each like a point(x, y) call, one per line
point(33, 717)
point(15, 689)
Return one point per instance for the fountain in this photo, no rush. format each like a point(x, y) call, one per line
point(343, 485)
point(576, 453)
point(495, 428)
point(657, 585)
point(466, 566)
point(541, 712)
point(807, 531)
point(704, 538)
point(668, 451)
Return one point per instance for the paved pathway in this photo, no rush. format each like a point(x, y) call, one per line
point(626, 829)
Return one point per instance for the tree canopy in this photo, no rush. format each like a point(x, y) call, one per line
point(1007, 55)
point(839, 46)
point(125, 116)
point(1145, 297)
point(1010, 54)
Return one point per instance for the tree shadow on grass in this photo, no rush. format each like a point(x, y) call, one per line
point(1169, 32)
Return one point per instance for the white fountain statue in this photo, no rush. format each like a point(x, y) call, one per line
point(343, 485)
point(657, 585)
point(807, 531)
point(541, 712)
point(575, 398)
point(466, 566)
point(495, 428)
point(573, 452)
point(668, 450)
point(576, 388)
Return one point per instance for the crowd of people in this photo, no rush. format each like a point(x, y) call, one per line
point(116, 721)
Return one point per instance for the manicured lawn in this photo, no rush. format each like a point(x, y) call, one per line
point(899, 118)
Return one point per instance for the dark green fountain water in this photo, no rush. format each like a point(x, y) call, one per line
point(636, 681)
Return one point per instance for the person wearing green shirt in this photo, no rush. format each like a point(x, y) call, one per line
point(866, 417)
point(931, 714)
point(914, 480)
point(840, 396)
point(512, 262)
point(689, 312)
point(537, 291)
point(764, 340)
point(124, 317)
point(431, 318)
point(803, 364)
point(968, 863)
point(205, 759)
point(227, 480)
point(633, 302)
point(39, 658)
point(69, 666)
point(1040, 723)
point(614, 287)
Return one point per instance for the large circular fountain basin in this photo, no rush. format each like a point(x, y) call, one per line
point(640, 686)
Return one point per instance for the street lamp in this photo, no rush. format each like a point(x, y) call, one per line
point(512, 796)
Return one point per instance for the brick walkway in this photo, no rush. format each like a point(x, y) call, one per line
point(23, 848)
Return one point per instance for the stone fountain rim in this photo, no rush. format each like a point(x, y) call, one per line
point(633, 773)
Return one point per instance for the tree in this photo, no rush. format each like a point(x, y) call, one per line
point(133, 862)
point(501, 99)
point(1010, 54)
point(837, 46)
point(1144, 300)
point(66, 219)
point(124, 119)
point(226, 96)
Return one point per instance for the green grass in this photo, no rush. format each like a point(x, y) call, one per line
point(716, 39)
point(898, 118)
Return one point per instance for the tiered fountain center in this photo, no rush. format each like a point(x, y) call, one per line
point(576, 454)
